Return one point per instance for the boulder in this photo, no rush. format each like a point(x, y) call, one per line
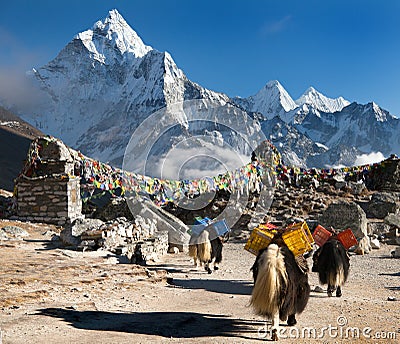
point(393, 219)
point(116, 207)
point(357, 188)
point(178, 232)
point(382, 204)
point(378, 228)
point(343, 214)
point(71, 234)
point(375, 244)
point(396, 252)
point(340, 184)
point(13, 232)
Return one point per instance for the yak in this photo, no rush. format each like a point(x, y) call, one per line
point(332, 263)
point(281, 288)
point(205, 251)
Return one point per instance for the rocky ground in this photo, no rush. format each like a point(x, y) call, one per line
point(49, 294)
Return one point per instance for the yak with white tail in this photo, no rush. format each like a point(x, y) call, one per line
point(205, 250)
point(281, 288)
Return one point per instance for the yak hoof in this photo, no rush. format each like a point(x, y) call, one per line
point(292, 320)
point(338, 293)
point(274, 336)
point(329, 293)
point(216, 268)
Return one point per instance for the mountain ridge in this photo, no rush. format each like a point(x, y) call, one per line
point(106, 81)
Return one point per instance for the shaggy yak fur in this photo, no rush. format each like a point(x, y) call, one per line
point(204, 250)
point(281, 288)
point(332, 263)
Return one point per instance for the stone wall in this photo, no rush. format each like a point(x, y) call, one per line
point(53, 199)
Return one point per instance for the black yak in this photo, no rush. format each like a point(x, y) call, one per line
point(332, 263)
point(281, 288)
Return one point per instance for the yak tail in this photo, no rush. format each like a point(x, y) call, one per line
point(193, 251)
point(333, 264)
point(271, 278)
point(204, 247)
point(336, 278)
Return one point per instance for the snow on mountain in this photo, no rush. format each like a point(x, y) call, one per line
point(320, 102)
point(367, 127)
point(272, 100)
point(355, 130)
point(342, 130)
point(107, 81)
point(103, 84)
point(119, 34)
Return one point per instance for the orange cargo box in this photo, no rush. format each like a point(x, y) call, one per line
point(347, 238)
point(321, 235)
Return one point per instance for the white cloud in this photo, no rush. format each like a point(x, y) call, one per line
point(195, 158)
point(371, 158)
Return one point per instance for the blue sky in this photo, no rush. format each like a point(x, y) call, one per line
point(348, 48)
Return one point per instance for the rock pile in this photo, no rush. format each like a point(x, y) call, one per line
point(12, 232)
point(138, 241)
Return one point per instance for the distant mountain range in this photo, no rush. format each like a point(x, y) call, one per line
point(106, 81)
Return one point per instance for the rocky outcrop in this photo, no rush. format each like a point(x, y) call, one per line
point(382, 204)
point(342, 214)
point(12, 232)
point(385, 176)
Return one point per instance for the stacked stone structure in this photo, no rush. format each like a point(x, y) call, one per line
point(48, 190)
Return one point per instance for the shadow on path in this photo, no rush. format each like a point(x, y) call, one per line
point(165, 324)
point(216, 286)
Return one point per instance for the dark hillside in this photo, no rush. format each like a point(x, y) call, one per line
point(15, 138)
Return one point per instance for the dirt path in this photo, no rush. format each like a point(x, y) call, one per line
point(53, 295)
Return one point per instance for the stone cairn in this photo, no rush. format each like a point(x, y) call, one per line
point(47, 190)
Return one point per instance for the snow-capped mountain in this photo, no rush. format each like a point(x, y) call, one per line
point(272, 100)
point(319, 131)
point(320, 102)
point(104, 83)
point(107, 81)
